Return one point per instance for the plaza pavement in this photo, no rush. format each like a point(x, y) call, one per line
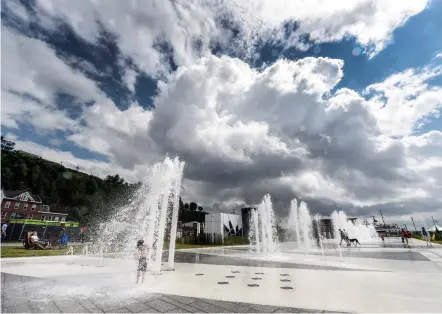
point(366, 279)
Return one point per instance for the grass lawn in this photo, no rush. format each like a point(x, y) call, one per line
point(20, 251)
point(191, 246)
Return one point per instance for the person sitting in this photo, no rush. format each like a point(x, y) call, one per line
point(36, 241)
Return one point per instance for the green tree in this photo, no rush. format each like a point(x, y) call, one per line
point(193, 206)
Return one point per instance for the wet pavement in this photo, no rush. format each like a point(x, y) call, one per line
point(17, 297)
point(199, 258)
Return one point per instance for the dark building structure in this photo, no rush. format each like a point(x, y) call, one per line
point(246, 214)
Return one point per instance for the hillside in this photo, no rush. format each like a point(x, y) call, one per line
point(83, 196)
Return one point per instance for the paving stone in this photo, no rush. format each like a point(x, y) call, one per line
point(89, 305)
point(70, 305)
point(43, 307)
point(208, 308)
point(161, 306)
point(182, 299)
point(230, 306)
point(180, 305)
point(263, 308)
point(148, 297)
point(106, 304)
point(139, 307)
point(19, 308)
point(120, 310)
point(288, 310)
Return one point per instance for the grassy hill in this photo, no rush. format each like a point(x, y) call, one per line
point(83, 196)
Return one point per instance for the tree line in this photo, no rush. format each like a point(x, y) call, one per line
point(84, 197)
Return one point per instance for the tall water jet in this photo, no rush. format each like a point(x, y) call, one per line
point(263, 233)
point(319, 234)
point(357, 230)
point(294, 221)
point(147, 216)
point(254, 231)
point(336, 233)
point(305, 223)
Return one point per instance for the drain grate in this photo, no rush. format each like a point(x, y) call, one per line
point(256, 278)
point(284, 275)
point(253, 285)
point(199, 274)
point(223, 283)
point(287, 288)
point(285, 280)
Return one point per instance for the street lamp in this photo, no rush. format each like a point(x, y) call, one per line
point(213, 231)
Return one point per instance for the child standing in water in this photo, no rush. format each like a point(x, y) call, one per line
point(142, 251)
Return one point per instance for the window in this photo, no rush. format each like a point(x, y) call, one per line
point(63, 218)
point(33, 207)
point(16, 205)
point(57, 218)
point(7, 204)
point(42, 218)
point(29, 216)
point(25, 206)
point(4, 214)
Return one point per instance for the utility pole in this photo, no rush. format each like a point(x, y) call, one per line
point(383, 221)
point(413, 224)
point(433, 222)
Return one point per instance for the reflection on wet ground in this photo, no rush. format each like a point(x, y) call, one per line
point(198, 258)
point(402, 256)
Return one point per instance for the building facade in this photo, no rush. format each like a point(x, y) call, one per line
point(7, 145)
point(224, 224)
point(21, 204)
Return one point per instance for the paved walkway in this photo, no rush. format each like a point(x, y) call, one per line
point(16, 298)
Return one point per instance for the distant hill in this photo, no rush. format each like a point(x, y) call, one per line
point(64, 190)
point(83, 196)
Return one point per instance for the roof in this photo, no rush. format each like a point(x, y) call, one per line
point(12, 194)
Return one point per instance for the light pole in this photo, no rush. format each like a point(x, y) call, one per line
point(413, 224)
point(382, 216)
point(433, 222)
point(213, 231)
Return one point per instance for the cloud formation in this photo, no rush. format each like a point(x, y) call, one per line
point(283, 129)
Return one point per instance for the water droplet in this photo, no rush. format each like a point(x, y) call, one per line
point(356, 51)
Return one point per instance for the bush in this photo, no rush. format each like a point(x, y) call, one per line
point(209, 239)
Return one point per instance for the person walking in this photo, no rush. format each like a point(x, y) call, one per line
point(343, 237)
point(404, 236)
point(4, 227)
point(82, 234)
point(426, 237)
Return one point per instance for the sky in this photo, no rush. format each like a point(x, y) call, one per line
point(336, 103)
